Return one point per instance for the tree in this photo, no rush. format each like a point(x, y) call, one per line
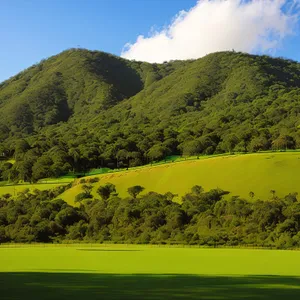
point(251, 195)
point(157, 152)
point(230, 142)
point(3, 237)
point(67, 216)
point(4, 134)
point(197, 190)
point(25, 170)
point(170, 196)
point(193, 147)
point(122, 157)
point(20, 148)
point(75, 154)
point(86, 194)
point(42, 168)
point(273, 193)
point(105, 191)
point(283, 142)
point(258, 143)
point(5, 171)
point(134, 191)
point(81, 196)
point(87, 188)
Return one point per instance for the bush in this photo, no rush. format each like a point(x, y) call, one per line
point(82, 196)
point(94, 180)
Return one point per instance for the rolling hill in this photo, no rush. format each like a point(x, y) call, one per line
point(238, 174)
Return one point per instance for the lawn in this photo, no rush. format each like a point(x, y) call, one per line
point(147, 272)
point(238, 174)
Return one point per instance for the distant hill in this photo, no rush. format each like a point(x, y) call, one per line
point(85, 109)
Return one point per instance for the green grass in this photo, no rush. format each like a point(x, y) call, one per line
point(238, 174)
point(133, 259)
point(60, 180)
point(44, 184)
point(145, 272)
point(14, 189)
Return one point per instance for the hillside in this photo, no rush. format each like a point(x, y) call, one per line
point(85, 109)
point(238, 174)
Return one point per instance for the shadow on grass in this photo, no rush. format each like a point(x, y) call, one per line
point(109, 286)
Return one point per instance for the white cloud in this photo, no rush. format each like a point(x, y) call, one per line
point(218, 25)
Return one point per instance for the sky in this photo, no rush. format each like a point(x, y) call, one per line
point(148, 30)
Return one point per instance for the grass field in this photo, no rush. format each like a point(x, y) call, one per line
point(14, 189)
point(238, 174)
point(143, 272)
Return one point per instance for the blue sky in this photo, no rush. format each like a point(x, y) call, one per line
point(32, 30)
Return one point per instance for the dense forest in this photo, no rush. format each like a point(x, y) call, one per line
point(201, 218)
point(87, 109)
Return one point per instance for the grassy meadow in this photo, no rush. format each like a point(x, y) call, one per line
point(136, 272)
point(238, 174)
point(14, 189)
point(45, 184)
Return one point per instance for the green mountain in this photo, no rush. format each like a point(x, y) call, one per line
point(85, 109)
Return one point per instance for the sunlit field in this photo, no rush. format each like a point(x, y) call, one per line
point(238, 174)
point(147, 272)
point(15, 189)
point(45, 184)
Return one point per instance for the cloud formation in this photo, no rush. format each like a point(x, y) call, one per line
point(219, 25)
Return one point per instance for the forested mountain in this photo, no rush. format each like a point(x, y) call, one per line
point(84, 109)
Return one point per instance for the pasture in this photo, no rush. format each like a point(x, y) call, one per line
point(238, 174)
point(46, 184)
point(14, 189)
point(147, 272)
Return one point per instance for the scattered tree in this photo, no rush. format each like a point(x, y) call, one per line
point(106, 190)
point(134, 191)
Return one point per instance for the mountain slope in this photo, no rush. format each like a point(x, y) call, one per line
point(66, 85)
point(85, 109)
point(73, 83)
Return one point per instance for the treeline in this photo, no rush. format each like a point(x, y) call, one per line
point(53, 158)
point(202, 218)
